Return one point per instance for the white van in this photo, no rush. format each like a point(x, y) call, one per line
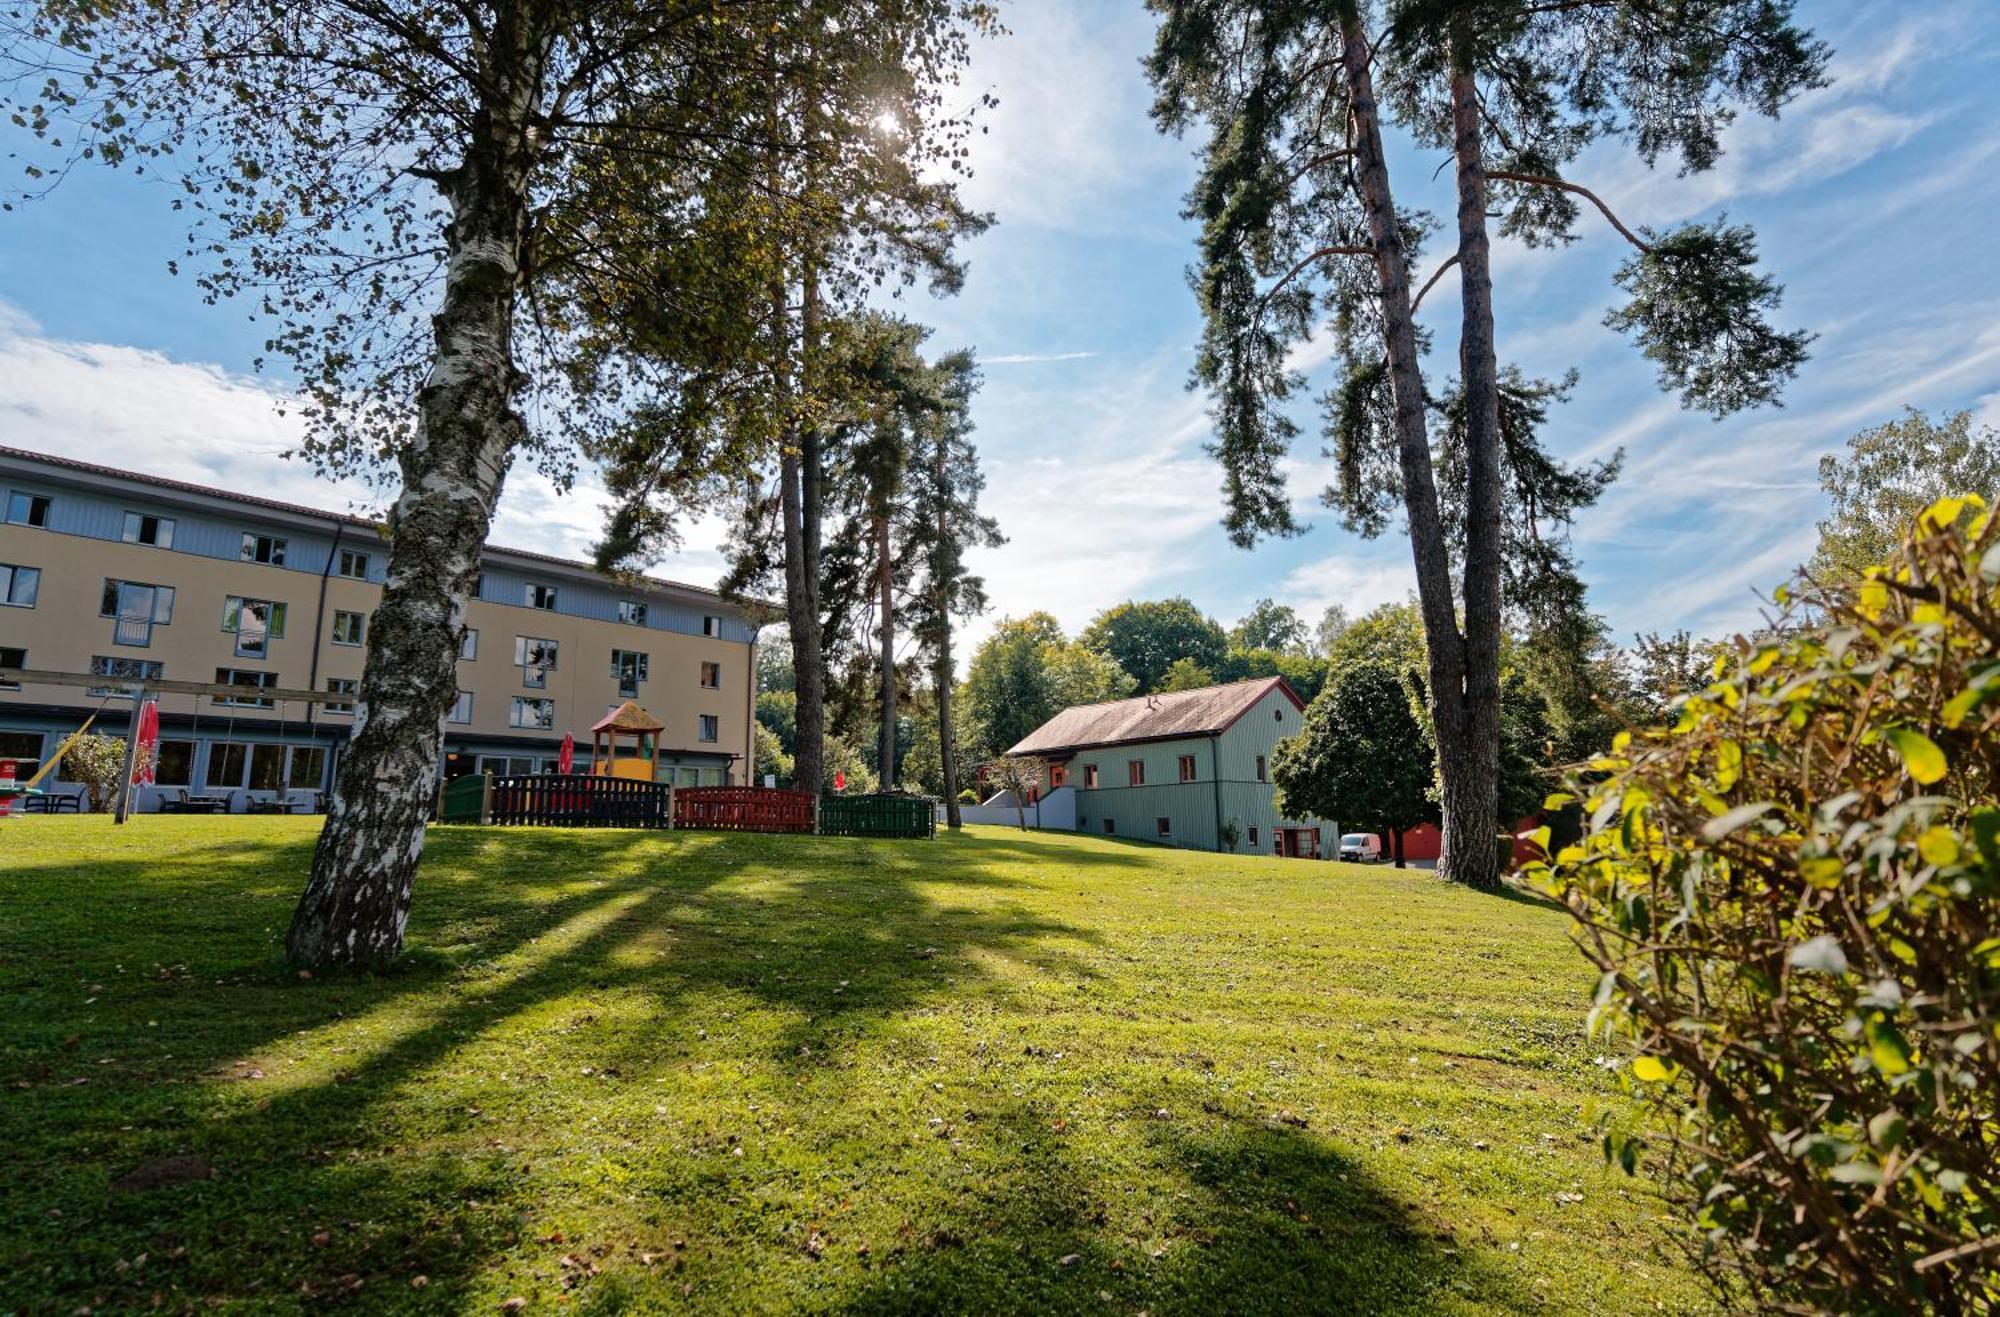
point(1361, 848)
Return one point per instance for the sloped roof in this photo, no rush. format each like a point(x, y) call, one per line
point(628, 717)
point(1200, 712)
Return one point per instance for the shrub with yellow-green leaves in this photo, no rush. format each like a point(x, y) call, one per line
point(1793, 895)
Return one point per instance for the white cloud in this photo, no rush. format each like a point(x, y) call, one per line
point(1033, 358)
point(145, 412)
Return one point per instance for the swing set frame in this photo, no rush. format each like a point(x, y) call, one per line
point(138, 689)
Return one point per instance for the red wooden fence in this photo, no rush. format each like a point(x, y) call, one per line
point(743, 809)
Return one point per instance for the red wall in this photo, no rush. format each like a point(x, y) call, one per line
point(1424, 841)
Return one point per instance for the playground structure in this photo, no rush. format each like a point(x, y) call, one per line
point(628, 719)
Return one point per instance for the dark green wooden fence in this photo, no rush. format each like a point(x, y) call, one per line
point(877, 816)
point(462, 799)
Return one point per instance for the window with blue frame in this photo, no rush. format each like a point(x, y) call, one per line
point(145, 528)
point(19, 585)
point(24, 509)
point(135, 608)
point(255, 623)
point(263, 548)
point(119, 667)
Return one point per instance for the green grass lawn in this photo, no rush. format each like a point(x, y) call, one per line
point(626, 1071)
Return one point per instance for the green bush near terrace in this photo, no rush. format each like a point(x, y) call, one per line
point(723, 1073)
point(1794, 898)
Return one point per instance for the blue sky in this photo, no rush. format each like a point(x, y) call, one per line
point(1873, 199)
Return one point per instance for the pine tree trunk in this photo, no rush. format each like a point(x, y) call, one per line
point(943, 581)
point(798, 497)
point(357, 900)
point(886, 574)
point(1448, 654)
point(802, 599)
point(1472, 776)
point(947, 740)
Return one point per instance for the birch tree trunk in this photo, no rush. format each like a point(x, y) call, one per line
point(1468, 769)
point(1471, 776)
point(357, 899)
point(886, 574)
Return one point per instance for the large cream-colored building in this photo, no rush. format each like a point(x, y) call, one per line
point(120, 574)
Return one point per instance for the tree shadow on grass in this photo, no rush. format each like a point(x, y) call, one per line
point(1247, 1217)
point(296, 1093)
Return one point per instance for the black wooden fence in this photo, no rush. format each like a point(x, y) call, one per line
point(576, 800)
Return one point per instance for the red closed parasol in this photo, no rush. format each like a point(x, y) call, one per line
point(566, 757)
point(149, 742)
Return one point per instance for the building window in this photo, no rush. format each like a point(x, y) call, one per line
point(267, 767)
point(225, 765)
point(1135, 772)
point(307, 770)
point(124, 669)
point(711, 676)
point(255, 623)
point(341, 686)
point(137, 608)
point(173, 764)
point(629, 667)
point(11, 657)
point(631, 610)
point(536, 659)
point(468, 645)
point(1163, 827)
point(144, 528)
point(1090, 777)
point(539, 596)
point(263, 548)
point(19, 585)
point(710, 727)
point(1253, 834)
point(1058, 775)
point(711, 625)
point(349, 628)
point(1187, 768)
point(353, 564)
point(249, 680)
point(532, 713)
point(25, 749)
point(1110, 827)
point(461, 709)
point(28, 509)
point(1260, 768)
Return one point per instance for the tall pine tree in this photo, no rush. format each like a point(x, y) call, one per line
point(1303, 232)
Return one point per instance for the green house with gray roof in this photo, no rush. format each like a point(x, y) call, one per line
point(1180, 766)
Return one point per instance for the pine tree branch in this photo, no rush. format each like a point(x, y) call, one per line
point(1294, 272)
point(1436, 275)
point(1539, 180)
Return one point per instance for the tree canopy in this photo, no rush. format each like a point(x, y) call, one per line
point(1888, 475)
point(1146, 638)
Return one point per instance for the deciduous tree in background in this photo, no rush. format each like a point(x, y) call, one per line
point(1270, 625)
point(1146, 638)
point(1361, 757)
point(1024, 674)
point(1303, 233)
point(1891, 473)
